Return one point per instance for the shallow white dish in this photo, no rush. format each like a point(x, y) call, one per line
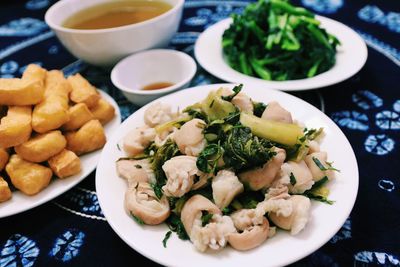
point(20, 202)
point(136, 71)
point(280, 250)
point(350, 58)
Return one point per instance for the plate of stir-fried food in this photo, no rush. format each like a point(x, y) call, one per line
point(226, 174)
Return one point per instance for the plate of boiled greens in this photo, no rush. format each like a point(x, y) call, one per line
point(225, 173)
point(52, 130)
point(280, 46)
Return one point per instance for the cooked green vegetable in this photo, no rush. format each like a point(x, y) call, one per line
point(321, 166)
point(137, 219)
point(215, 107)
point(206, 218)
point(282, 133)
point(319, 191)
point(167, 236)
point(293, 180)
point(274, 40)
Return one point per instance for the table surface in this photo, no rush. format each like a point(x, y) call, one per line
point(72, 231)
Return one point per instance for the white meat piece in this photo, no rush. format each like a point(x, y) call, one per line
point(192, 211)
point(297, 219)
point(276, 200)
point(190, 138)
point(263, 177)
point(303, 177)
point(180, 172)
point(136, 141)
point(246, 218)
point(141, 201)
point(313, 146)
point(162, 137)
point(243, 103)
point(214, 235)
point(253, 229)
point(316, 172)
point(135, 170)
point(276, 112)
point(158, 113)
point(225, 186)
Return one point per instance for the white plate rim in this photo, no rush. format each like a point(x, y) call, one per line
point(130, 230)
point(20, 203)
point(351, 57)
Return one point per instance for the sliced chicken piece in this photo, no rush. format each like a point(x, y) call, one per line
point(276, 112)
point(190, 138)
point(136, 141)
point(225, 186)
point(263, 177)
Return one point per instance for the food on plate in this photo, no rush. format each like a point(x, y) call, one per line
point(3, 158)
point(79, 114)
point(141, 201)
point(88, 138)
point(103, 111)
point(41, 147)
point(83, 91)
point(20, 92)
point(30, 178)
point(5, 192)
point(15, 127)
point(38, 116)
point(274, 40)
point(221, 173)
point(52, 112)
point(65, 164)
point(34, 73)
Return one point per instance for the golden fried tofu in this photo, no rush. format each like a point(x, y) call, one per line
point(3, 158)
point(56, 84)
point(5, 192)
point(64, 164)
point(26, 176)
point(33, 73)
point(83, 91)
point(103, 111)
point(88, 138)
point(41, 147)
point(20, 92)
point(79, 114)
point(15, 128)
point(50, 114)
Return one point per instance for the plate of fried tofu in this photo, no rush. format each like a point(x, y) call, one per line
point(52, 130)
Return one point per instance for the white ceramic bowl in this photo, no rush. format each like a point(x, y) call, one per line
point(104, 47)
point(133, 73)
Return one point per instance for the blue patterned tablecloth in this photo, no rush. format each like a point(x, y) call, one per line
point(72, 231)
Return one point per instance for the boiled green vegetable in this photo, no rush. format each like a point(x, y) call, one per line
point(275, 40)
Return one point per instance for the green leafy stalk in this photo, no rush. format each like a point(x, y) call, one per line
point(137, 219)
point(236, 90)
point(206, 218)
point(293, 180)
point(321, 166)
point(166, 237)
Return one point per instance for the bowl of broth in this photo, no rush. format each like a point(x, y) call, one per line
point(104, 31)
point(147, 75)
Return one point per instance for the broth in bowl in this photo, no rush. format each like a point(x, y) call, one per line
point(116, 14)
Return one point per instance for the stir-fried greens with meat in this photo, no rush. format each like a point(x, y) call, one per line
point(225, 170)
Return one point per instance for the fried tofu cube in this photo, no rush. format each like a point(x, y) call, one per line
point(5, 192)
point(65, 164)
point(15, 128)
point(103, 111)
point(79, 114)
point(88, 138)
point(3, 158)
point(30, 178)
point(42, 146)
point(83, 91)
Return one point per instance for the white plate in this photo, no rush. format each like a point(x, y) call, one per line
point(21, 202)
point(282, 249)
point(350, 57)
